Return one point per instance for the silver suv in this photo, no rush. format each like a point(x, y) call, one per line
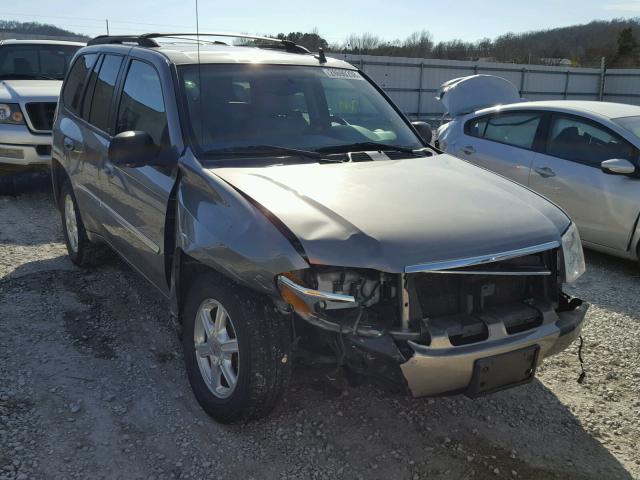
point(31, 74)
point(279, 200)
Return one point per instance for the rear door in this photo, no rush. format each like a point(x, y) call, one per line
point(96, 131)
point(137, 198)
point(567, 171)
point(501, 142)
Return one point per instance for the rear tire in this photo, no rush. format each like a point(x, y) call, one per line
point(81, 250)
point(242, 383)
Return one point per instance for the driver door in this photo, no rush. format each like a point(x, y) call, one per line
point(137, 198)
point(567, 171)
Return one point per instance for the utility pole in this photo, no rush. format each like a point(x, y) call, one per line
point(107, 22)
point(603, 77)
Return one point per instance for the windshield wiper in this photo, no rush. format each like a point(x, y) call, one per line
point(269, 150)
point(360, 146)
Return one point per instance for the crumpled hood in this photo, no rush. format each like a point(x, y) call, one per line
point(388, 215)
point(29, 90)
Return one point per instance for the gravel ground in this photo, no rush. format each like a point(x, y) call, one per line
point(92, 385)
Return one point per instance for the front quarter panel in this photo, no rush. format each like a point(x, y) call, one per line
point(221, 229)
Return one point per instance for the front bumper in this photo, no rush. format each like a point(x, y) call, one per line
point(21, 147)
point(443, 368)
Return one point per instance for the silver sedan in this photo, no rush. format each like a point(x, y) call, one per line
point(582, 155)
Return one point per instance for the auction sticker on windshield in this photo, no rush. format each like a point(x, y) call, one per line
point(342, 73)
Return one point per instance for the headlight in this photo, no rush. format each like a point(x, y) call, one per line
point(10, 113)
point(572, 254)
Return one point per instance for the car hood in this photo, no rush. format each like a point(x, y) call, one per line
point(391, 214)
point(29, 90)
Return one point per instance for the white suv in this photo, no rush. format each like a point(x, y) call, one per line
point(31, 74)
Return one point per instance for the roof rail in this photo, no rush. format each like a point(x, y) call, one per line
point(111, 39)
point(147, 40)
point(287, 45)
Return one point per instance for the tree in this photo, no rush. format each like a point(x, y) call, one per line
point(418, 44)
point(312, 40)
point(627, 53)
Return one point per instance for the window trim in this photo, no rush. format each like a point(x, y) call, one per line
point(535, 144)
point(547, 137)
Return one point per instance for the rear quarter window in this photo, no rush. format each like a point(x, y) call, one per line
point(76, 80)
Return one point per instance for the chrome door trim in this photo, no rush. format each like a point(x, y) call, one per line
point(513, 273)
point(480, 260)
point(137, 233)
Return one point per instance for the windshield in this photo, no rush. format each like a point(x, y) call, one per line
point(631, 124)
point(35, 61)
point(305, 108)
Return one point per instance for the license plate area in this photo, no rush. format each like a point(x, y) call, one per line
point(506, 370)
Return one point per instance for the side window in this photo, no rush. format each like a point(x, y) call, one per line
point(142, 104)
point(91, 85)
point(475, 127)
point(103, 92)
point(517, 129)
point(74, 86)
point(582, 141)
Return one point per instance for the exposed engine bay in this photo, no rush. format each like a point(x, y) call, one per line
point(375, 321)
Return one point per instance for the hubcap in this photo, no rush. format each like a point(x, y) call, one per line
point(71, 223)
point(216, 348)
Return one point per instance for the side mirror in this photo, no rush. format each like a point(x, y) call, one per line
point(424, 130)
point(133, 149)
point(618, 166)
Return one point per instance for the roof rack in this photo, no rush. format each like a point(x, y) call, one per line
point(148, 40)
point(115, 39)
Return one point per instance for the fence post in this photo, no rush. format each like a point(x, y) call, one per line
point(603, 70)
point(566, 85)
point(523, 76)
point(420, 91)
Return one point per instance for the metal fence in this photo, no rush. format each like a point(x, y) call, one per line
point(413, 82)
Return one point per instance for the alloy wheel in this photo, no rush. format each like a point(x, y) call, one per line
point(216, 348)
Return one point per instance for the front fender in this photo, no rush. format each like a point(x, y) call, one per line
point(220, 228)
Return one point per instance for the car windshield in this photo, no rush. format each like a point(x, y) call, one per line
point(35, 61)
point(306, 108)
point(632, 124)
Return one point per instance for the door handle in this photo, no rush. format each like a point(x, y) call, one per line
point(68, 144)
point(468, 150)
point(545, 172)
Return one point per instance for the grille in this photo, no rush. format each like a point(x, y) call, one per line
point(41, 115)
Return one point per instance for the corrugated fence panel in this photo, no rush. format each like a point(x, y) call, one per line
point(622, 85)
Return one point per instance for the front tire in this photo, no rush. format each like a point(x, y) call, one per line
point(237, 350)
point(81, 250)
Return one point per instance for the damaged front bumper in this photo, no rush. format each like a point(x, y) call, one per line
point(442, 368)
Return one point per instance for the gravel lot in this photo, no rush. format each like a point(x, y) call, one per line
point(92, 385)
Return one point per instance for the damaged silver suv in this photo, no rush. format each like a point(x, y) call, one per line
point(279, 200)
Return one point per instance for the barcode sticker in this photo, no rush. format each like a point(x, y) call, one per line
point(342, 73)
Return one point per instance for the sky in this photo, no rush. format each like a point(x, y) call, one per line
point(335, 19)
